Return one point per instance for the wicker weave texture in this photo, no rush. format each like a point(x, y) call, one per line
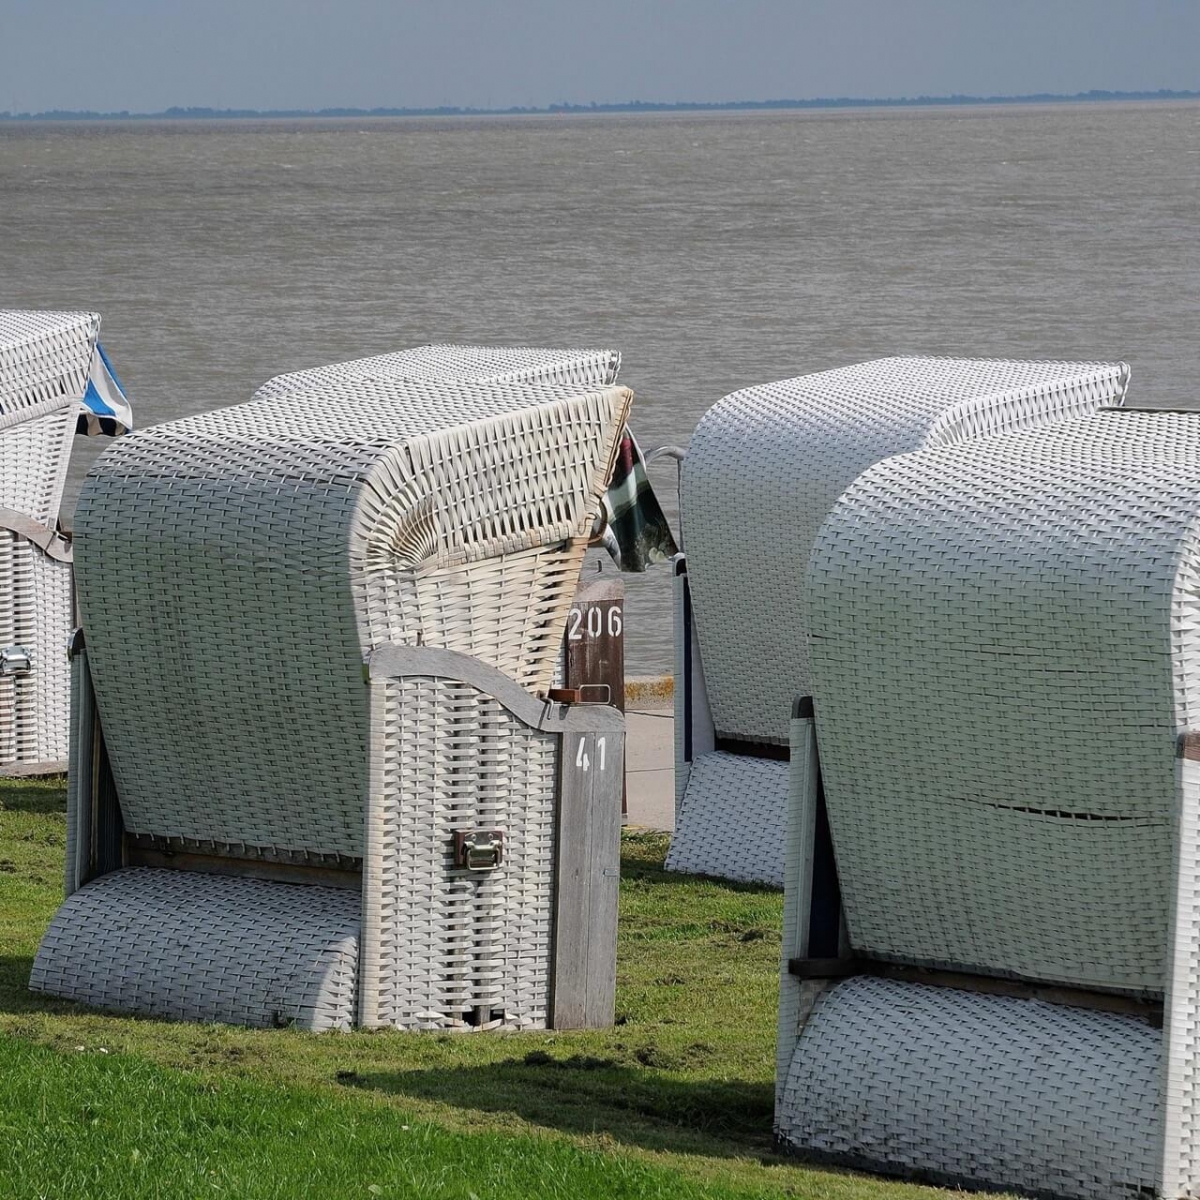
point(452, 363)
point(463, 949)
point(731, 818)
point(975, 1090)
point(34, 457)
point(1004, 652)
point(176, 945)
point(44, 361)
point(767, 463)
point(1181, 1026)
point(262, 551)
point(35, 614)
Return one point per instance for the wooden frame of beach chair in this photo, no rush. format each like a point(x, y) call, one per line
point(328, 783)
point(764, 467)
point(990, 972)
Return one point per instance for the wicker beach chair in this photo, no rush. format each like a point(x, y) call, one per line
point(46, 365)
point(1006, 678)
point(462, 364)
point(326, 785)
point(764, 467)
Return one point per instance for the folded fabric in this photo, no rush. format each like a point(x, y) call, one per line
point(636, 532)
point(106, 411)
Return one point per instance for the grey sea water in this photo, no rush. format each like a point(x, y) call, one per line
point(714, 251)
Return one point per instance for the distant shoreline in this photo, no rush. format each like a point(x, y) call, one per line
point(630, 106)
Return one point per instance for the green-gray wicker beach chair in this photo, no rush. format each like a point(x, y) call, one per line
point(316, 774)
point(50, 368)
point(764, 467)
point(1006, 679)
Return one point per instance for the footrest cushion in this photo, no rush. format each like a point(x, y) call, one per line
point(187, 946)
point(967, 1089)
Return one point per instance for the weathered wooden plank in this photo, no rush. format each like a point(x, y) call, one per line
point(583, 990)
point(594, 643)
point(605, 829)
point(247, 868)
point(991, 985)
point(31, 770)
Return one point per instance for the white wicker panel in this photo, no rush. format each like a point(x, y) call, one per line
point(490, 364)
point(177, 945)
point(53, 621)
point(14, 601)
point(767, 463)
point(1181, 1083)
point(34, 457)
point(260, 552)
point(233, 708)
point(732, 820)
point(982, 1091)
point(462, 949)
point(36, 612)
point(1003, 655)
point(44, 360)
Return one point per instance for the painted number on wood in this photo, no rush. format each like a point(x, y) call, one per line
point(595, 622)
point(583, 759)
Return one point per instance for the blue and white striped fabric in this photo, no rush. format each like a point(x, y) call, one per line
point(106, 411)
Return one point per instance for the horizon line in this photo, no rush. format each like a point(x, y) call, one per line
point(201, 112)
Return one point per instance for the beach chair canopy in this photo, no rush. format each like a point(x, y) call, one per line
point(462, 364)
point(636, 533)
point(764, 467)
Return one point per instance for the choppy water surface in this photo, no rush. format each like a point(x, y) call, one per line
point(714, 251)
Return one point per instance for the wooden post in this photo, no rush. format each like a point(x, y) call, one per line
point(595, 647)
point(588, 870)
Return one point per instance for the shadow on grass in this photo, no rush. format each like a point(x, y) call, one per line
point(588, 1096)
point(45, 795)
point(643, 855)
point(15, 996)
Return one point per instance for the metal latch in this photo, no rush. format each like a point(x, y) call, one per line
point(478, 849)
point(15, 660)
point(585, 693)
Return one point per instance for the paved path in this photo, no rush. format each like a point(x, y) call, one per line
point(650, 765)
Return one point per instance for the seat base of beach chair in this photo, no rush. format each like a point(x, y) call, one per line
point(731, 820)
point(186, 946)
point(965, 1089)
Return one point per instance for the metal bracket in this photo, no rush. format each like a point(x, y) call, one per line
point(15, 660)
point(601, 694)
point(478, 849)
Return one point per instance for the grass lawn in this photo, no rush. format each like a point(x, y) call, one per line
point(673, 1102)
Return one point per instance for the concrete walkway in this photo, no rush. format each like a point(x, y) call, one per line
point(650, 764)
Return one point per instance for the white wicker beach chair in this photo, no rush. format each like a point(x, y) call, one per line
point(1006, 677)
point(45, 362)
point(462, 364)
point(764, 467)
point(327, 786)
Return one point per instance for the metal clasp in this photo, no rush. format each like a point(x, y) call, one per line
point(15, 660)
point(600, 693)
point(478, 849)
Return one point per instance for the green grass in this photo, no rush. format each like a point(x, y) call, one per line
point(675, 1101)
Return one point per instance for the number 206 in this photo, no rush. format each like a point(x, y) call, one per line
point(596, 621)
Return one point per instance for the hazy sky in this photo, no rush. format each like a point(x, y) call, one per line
point(149, 54)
